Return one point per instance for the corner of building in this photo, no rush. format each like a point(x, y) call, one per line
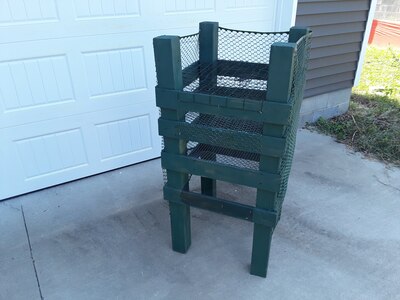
point(327, 106)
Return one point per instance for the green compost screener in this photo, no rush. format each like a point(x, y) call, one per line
point(229, 103)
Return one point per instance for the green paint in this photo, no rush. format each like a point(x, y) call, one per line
point(218, 171)
point(226, 207)
point(208, 42)
point(276, 114)
point(279, 86)
point(169, 75)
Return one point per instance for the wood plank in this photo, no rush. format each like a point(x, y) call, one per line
point(273, 112)
point(232, 139)
point(169, 75)
point(222, 206)
point(218, 171)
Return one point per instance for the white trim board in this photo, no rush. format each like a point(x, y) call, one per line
point(285, 14)
point(364, 45)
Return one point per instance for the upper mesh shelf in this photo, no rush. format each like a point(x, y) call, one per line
point(242, 67)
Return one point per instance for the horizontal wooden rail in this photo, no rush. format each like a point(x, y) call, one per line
point(245, 109)
point(252, 178)
point(232, 139)
point(222, 206)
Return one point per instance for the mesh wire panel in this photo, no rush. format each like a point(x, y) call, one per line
point(242, 67)
point(223, 122)
point(240, 159)
point(296, 96)
point(189, 49)
point(230, 86)
point(254, 47)
point(216, 129)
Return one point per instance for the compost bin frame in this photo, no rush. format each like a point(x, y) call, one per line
point(275, 115)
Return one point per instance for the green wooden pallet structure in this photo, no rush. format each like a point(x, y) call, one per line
point(229, 104)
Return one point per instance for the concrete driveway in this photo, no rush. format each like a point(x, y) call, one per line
point(108, 237)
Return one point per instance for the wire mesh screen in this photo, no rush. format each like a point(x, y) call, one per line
point(230, 86)
point(246, 133)
point(296, 96)
point(240, 159)
point(241, 70)
point(189, 49)
point(248, 46)
point(224, 122)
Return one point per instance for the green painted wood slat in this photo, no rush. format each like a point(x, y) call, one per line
point(218, 171)
point(226, 207)
point(232, 139)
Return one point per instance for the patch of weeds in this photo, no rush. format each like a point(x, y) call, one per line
point(372, 126)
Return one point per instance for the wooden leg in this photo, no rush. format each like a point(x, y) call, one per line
point(208, 186)
point(262, 236)
point(180, 226)
point(179, 213)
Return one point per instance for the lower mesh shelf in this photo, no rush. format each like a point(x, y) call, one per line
point(224, 122)
point(223, 155)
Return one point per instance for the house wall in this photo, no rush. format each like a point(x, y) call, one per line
point(388, 10)
point(338, 32)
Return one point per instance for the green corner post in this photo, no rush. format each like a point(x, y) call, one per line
point(208, 48)
point(279, 86)
point(297, 32)
point(169, 76)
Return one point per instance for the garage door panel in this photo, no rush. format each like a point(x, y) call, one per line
point(114, 71)
point(31, 88)
point(32, 82)
point(189, 6)
point(248, 4)
point(26, 11)
point(51, 152)
point(124, 137)
point(87, 18)
point(112, 8)
point(93, 74)
point(41, 155)
point(55, 151)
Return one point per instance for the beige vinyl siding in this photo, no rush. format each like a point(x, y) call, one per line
point(338, 31)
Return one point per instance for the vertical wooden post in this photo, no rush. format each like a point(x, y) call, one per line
point(297, 32)
point(208, 42)
point(169, 76)
point(279, 86)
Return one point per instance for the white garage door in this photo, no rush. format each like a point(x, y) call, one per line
point(77, 81)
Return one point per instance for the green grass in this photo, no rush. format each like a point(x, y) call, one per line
point(372, 124)
point(381, 73)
